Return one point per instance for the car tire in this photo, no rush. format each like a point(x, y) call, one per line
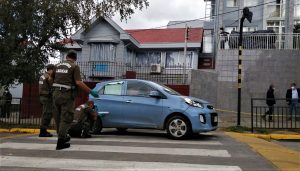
point(122, 129)
point(178, 128)
point(97, 127)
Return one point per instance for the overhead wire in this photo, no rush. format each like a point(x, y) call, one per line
point(187, 21)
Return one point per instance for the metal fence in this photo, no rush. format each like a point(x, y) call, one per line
point(20, 113)
point(262, 41)
point(280, 117)
point(102, 70)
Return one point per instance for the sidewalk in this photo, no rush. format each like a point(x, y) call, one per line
point(285, 159)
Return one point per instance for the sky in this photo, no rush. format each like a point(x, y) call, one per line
point(160, 12)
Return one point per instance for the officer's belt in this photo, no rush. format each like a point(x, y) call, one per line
point(60, 86)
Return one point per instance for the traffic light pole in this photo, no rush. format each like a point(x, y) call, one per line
point(246, 15)
point(240, 72)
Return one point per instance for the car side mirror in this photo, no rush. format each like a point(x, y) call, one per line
point(155, 94)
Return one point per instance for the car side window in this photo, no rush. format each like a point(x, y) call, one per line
point(138, 89)
point(112, 89)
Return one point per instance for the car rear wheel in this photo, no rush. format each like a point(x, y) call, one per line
point(178, 127)
point(97, 127)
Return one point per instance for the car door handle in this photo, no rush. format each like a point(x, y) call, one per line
point(128, 101)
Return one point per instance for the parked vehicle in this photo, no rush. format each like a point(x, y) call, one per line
point(133, 103)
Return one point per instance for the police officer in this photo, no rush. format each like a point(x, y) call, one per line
point(67, 79)
point(85, 116)
point(45, 91)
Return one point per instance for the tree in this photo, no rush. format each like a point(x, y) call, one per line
point(30, 30)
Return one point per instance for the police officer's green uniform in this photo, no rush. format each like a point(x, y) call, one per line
point(66, 74)
point(83, 121)
point(45, 91)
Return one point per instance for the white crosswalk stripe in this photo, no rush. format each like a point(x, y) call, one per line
point(151, 141)
point(81, 164)
point(125, 145)
point(122, 149)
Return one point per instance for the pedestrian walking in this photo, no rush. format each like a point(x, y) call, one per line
point(85, 117)
point(45, 91)
point(292, 99)
point(270, 101)
point(67, 80)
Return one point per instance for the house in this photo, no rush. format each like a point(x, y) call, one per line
point(106, 51)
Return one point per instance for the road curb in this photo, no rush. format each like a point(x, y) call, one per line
point(283, 158)
point(22, 130)
point(274, 136)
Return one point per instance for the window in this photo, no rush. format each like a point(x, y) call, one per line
point(297, 8)
point(250, 3)
point(275, 8)
point(103, 52)
point(277, 26)
point(176, 59)
point(138, 89)
point(232, 3)
point(114, 88)
point(148, 58)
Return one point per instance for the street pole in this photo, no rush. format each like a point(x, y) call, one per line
point(240, 71)
point(184, 52)
point(246, 15)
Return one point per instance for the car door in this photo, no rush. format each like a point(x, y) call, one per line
point(141, 110)
point(111, 102)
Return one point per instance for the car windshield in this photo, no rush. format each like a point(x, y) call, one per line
point(170, 91)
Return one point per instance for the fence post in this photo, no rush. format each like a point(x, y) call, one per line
point(20, 110)
point(252, 115)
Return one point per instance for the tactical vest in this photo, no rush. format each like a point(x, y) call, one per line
point(64, 75)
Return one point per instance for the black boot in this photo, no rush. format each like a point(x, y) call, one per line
point(45, 133)
point(67, 138)
point(61, 144)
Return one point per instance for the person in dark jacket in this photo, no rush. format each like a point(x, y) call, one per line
point(292, 99)
point(270, 101)
point(7, 103)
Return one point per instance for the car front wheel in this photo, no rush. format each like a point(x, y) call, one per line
point(178, 127)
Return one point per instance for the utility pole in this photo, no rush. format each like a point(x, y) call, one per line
point(247, 14)
point(186, 37)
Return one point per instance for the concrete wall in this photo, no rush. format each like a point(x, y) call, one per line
point(260, 69)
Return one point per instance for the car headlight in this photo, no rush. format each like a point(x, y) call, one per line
point(193, 103)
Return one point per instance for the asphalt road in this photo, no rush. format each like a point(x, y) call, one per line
point(136, 150)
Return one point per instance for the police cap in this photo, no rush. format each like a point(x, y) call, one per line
point(72, 54)
point(50, 67)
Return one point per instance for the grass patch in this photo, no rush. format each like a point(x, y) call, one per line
point(240, 129)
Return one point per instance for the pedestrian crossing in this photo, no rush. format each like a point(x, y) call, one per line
point(116, 153)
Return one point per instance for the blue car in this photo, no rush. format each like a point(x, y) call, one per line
point(134, 103)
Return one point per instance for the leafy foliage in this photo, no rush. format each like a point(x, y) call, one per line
point(30, 30)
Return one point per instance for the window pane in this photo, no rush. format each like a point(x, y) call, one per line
point(113, 89)
point(138, 89)
point(249, 3)
point(231, 3)
point(103, 52)
point(148, 58)
point(176, 59)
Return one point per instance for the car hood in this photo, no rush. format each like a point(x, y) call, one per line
point(196, 99)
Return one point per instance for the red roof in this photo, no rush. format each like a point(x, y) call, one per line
point(169, 35)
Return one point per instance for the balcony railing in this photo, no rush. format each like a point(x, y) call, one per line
point(261, 41)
